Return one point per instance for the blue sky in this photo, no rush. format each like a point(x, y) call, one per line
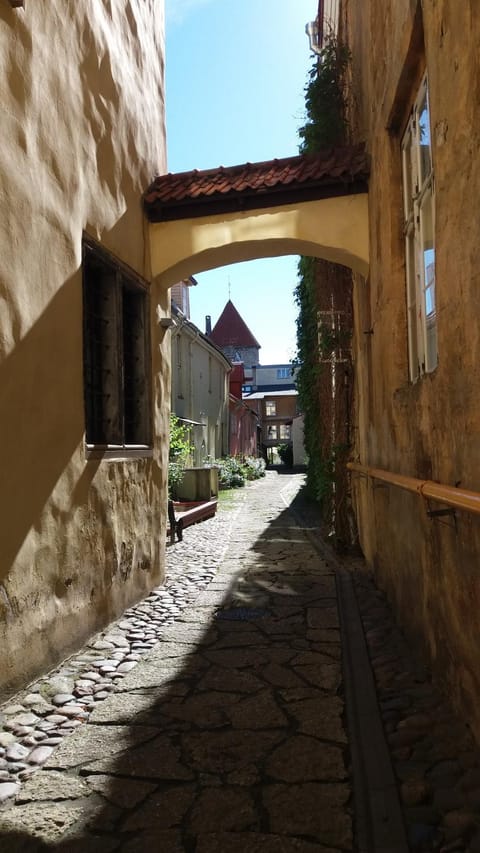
point(235, 76)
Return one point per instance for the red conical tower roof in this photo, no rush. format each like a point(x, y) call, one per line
point(231, 330)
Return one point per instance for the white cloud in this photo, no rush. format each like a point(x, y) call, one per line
point(178, 10)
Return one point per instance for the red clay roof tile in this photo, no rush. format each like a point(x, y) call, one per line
point(331, 171)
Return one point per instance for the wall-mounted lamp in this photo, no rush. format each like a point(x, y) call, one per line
point(313, 33)
point(165, 322)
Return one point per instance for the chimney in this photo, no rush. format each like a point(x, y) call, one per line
point(208, 325)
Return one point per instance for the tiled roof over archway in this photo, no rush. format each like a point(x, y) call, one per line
point(306, 177)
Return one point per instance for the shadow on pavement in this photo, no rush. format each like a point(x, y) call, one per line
point(228, 736)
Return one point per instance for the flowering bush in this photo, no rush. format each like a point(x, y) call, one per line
point(230, 472)
point(254, 467)
point(234, 471)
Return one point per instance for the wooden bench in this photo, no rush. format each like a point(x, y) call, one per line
point(182, 513)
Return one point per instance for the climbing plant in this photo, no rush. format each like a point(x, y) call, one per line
point(325, 126)
point(180, 450)
point(325, 102)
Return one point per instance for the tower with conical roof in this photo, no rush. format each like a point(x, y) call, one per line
point(234, 338)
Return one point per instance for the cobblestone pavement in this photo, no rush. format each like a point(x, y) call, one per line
point(37, 719)
point(211, 716)
point(434, 756)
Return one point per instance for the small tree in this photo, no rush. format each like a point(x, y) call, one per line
point(285, 451)
point(180, 450)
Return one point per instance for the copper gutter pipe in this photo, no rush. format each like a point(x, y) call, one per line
point(458, 498)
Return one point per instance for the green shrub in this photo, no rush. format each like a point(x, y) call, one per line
point(254, 467)
point(285, 451)
point(230, 472)
point(233, 471)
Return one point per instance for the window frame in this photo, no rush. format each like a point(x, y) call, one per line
point(272, 432)
point(126, 292)
point(419, 210)
point(269, 404)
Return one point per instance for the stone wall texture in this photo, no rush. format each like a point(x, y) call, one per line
point(81, 135)
point(428, 429)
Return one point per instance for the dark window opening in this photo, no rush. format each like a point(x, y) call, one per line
point(116, 353)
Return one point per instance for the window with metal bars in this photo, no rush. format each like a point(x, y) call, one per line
point(116, 353)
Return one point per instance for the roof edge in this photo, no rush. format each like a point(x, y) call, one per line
point(236, 201)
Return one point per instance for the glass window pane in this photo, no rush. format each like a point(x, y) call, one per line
point(428, 274)
point(425, 140)
point(429, 258)
point(428, 252)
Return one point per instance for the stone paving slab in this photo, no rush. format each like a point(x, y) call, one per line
point(211, 716)
point(228, 734)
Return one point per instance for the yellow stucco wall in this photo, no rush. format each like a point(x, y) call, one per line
point(81, 134)
point(428, 429)
point(334, 228)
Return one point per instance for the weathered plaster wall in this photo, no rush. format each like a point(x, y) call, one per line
point(81, 135)
point(428, 429)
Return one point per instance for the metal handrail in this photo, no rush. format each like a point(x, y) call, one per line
point(450, 495)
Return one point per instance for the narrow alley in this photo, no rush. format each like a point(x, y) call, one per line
point(235, 709)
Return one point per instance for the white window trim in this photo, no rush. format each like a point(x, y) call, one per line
point(287, 430)
point(416, 189)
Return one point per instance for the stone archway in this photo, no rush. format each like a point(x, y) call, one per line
point(334, 229)
point(311, 204)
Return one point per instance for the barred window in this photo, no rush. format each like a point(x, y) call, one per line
point(116, 353)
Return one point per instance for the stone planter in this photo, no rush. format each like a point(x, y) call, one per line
point(198, 484)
